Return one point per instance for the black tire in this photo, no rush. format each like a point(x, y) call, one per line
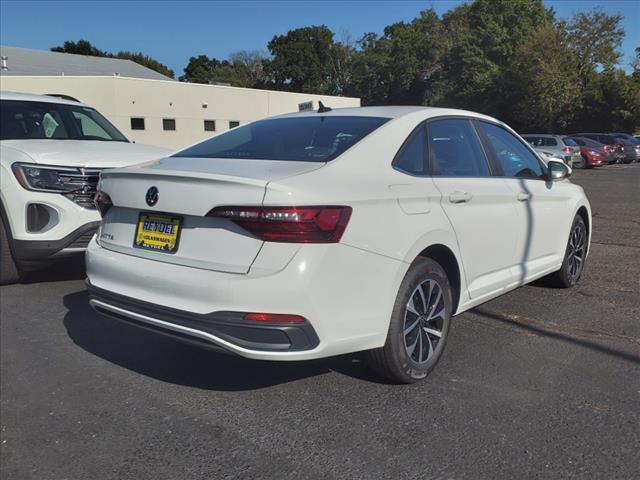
point(9, 272)
point(568, 275)
point(394, 360)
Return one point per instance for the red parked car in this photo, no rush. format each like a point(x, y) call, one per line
point(595, 154)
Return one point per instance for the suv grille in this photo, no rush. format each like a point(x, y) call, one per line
point(85, 183)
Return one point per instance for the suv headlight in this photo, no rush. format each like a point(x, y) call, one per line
point(77, 184)
point(45, 178)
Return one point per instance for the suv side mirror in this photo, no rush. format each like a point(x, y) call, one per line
point(557, 170)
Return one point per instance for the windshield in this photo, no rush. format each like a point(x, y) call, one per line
point(302, 139)
point(22, 120)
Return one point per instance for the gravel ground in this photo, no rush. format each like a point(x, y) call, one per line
point(540, 383)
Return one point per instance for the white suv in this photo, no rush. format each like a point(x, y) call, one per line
point(52, 151)
point(323, 233)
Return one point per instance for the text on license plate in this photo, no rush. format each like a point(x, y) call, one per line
point(158, 232)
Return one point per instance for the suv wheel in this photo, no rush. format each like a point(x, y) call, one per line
point(9, 272)
point(419, 325)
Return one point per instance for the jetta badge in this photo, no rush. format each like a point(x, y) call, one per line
point(152, 196)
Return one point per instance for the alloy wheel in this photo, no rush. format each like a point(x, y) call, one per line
point(424, 321)
point(576, 252)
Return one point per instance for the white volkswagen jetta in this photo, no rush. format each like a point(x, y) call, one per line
point(321, 233)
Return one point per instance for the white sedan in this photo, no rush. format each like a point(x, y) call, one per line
point(321, 233)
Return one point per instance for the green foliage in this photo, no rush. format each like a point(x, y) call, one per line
point(300, 60)
point(243, 69)
point(546, 81)
point(84, 47)
point(508, 58)
point(400, 66)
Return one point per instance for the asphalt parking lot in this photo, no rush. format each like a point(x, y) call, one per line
point(540, 383)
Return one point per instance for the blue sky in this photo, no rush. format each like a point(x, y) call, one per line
point(172, 31)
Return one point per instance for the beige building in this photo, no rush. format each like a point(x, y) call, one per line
point(168, 113)
point(145, 105)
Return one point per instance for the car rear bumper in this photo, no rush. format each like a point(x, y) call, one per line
point(322, 283)
point(229, 326)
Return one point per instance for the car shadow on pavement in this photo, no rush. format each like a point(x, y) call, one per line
point(179, 363)
point(71, 269)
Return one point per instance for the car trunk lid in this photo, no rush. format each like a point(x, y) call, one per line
point(187, 189)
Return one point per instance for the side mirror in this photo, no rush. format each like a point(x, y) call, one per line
point(557, 170)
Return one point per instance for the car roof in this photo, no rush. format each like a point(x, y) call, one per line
point(32, 97)
point(542, 135)
point(391, 112)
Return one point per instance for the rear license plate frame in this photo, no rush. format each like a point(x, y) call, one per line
point(166, 218)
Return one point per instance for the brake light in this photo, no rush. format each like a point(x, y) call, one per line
point(567, 149)
point(324, 224)
point(607, 148)
point(102, 202)
point(274, 318)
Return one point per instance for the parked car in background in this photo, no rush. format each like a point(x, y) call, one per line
point(52, 151)
point(328, 232)
point(614, 143)
point(631, 146)
point(595, 154)
point(546, 157)
point(560, 145)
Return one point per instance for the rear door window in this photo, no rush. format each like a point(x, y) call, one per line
point(455, 149)
point(550, 142)
point(298, 139)
point(515, 158)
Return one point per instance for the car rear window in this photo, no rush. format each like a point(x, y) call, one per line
point(569, 141)
point(302, 139)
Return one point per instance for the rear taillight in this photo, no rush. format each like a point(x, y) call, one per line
point(567, 150)
point(102, 202)
point(289, 224)
point(607, 148)
point(274, 318)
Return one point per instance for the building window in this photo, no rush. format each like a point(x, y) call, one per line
point(169, 124)
point(233, 123)
point(137, 123)
point(209, 125)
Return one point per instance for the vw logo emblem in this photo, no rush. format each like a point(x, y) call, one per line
point(152, 196)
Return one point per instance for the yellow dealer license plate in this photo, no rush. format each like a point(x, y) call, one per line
point(158, 232)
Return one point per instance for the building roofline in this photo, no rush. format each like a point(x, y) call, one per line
point(176, 82)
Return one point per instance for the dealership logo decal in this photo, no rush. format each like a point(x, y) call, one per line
point(152, 196)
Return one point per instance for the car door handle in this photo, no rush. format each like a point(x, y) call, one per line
point(460, 197)
point(524, 197)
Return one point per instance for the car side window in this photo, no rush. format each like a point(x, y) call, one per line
point(456, 150)
point(550, 142)
point(516, 159)
point(411, 157)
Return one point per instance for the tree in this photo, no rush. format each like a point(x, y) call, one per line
point(486, 35)
point(81, 47)
point(636, 65)
point(200, 69)
point(84, 47)
point(594, 38)
point(243, 69)
point(544, 80)
point(300, 60)
point(146, 61)
point(400, 66)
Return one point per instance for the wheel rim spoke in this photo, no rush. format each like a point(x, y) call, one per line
point(423, 331)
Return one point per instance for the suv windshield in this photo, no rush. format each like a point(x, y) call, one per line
point(24, 120)
point(302, 139)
